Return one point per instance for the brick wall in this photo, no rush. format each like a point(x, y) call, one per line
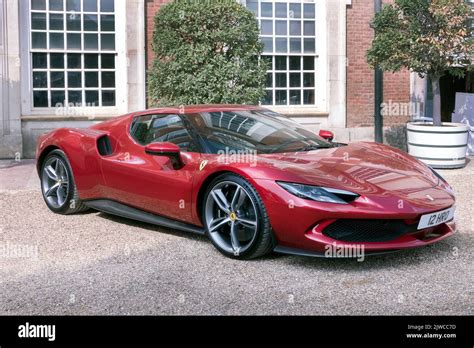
point(360, 78)
point(152, 7)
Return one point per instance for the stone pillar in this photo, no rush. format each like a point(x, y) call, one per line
point(337, 61)
point(136, 55)
point(10, 109)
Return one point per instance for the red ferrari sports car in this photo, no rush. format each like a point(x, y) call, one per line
point(250, 179)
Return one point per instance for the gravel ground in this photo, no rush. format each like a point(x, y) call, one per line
point(98, 264)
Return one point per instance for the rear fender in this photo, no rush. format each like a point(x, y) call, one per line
point(80, 147)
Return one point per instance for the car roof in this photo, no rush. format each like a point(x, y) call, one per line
point(189, 109)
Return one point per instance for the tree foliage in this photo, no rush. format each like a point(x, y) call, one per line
point(206, 52)
point(429, 37)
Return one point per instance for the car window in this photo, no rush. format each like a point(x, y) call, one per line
point(258, 131)
point(162, 128)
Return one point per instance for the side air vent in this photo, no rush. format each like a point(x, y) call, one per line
point(103, 146)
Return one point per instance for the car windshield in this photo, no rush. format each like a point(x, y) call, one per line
point(261, 131)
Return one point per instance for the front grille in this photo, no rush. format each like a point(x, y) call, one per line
point(357, 230)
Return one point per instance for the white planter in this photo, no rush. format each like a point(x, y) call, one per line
point(441, 146)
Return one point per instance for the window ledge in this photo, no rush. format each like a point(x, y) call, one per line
point(66, 118)
point(293, 111)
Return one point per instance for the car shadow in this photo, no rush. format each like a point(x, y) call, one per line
point(150, 227)
point(443, 249)
point(431, 254)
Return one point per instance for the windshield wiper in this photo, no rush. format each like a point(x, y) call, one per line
point(287, 143)
point(312, 147)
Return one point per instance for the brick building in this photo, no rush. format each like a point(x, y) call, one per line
point(75, 62)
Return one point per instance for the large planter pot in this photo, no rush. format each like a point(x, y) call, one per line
point(438, 146)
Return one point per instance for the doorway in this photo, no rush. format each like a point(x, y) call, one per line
point(450, 85)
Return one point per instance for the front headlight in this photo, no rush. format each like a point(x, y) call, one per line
point(320, 194)
point(441, 181)
point(437, 175)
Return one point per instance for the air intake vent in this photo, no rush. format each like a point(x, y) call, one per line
point(359, 230)
point(103, 146)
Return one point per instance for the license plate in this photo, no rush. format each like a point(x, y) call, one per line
point(434, 219)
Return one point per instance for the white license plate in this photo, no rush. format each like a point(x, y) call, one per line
point(434, 219)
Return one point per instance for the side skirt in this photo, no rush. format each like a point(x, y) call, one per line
point(298, 252)
point(119, 209)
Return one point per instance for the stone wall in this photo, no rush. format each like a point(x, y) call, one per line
point(10, 124)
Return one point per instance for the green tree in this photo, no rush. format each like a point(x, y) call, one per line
point(206, 52)
point(429, 37)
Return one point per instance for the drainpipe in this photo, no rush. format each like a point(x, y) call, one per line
point(378, 122)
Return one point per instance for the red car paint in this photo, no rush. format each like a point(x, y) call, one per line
point(391, 184)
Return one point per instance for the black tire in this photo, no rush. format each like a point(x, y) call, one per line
point(264, 242)
point(72, 204)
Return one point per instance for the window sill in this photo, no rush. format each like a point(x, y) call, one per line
point(298, 111)
point(66, 118)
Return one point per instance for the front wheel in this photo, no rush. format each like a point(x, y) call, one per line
point(57, 185)
point(235, 218)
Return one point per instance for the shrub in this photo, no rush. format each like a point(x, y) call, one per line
point(206, 52)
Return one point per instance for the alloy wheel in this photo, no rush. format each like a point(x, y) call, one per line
point(231, 217)
point(55, 182)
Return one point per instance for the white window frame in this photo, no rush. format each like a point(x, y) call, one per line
point(321, 71)
point(120, 107)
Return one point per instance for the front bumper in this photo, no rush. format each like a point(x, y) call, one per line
point(299, 224)
point(407, 240)
point(326, 244)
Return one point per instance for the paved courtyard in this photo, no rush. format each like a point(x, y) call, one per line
point(99, 264)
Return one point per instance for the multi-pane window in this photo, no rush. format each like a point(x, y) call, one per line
point(288, 32)
point(72, 48)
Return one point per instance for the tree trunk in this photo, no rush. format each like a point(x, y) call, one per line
point(436, 100)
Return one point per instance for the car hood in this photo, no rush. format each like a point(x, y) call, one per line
point(363, 168)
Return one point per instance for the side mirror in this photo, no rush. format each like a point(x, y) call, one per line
point(168, 150)
point(325, 134)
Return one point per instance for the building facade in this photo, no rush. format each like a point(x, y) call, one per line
point(70, 63)
point(67, 63)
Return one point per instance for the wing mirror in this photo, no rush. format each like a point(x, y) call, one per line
point(325, 134)
point(170, 150)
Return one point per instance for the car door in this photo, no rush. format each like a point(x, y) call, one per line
point(150, 182)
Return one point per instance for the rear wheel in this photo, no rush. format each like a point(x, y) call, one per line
point(57, 185)
point(235, 218)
